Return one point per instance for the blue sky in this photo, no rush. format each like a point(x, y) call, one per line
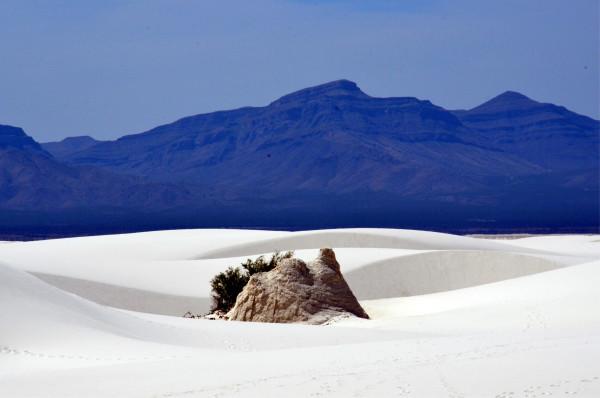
point(108, 68)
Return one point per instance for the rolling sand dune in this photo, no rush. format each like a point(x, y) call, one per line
point(129, 298)
point(168, 272)
point(439, 271)
point(507, 319)
point(405, 274)
point(364, 238)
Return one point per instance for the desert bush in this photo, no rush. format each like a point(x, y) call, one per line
point(227, 285)
point(261, 265)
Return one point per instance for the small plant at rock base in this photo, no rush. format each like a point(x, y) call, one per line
point(228, 284)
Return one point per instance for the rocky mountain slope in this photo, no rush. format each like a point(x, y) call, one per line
point(328, 155)
point(69, 146)
point(331, 139)
point(548, 135)
point(32, 179)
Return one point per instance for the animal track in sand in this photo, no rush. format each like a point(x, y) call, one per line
point(557, 388)
point(13, 351)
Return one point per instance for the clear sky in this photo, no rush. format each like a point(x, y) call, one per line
point(107, 68)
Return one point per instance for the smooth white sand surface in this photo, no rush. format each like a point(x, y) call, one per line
point(506, 319)
point(180, 264)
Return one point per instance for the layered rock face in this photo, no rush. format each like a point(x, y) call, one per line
point(295, 291)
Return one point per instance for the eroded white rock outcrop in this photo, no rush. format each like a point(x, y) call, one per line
point(296, 291)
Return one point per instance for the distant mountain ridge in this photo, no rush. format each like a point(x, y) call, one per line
point(331, 155)
point(15, 138)
point(69, 146)
point(32, 179)
point(536, 131)
point(331, 138)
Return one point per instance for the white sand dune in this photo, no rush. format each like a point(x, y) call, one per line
point(166, 272)
point(527, 326)
point(363, 238)
point(439, 271)
point(41, 319)
point(398, 273)
point(130, 298)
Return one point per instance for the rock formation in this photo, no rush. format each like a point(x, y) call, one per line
point(297, 292)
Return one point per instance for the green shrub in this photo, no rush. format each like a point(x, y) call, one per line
point(261, 265)
point(228, 284)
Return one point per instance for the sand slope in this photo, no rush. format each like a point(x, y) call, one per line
point(533, 335)
point(168, 272)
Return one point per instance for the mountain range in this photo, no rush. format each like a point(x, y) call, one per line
point(324, 156)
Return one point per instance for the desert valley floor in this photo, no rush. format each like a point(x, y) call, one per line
point(451, 316)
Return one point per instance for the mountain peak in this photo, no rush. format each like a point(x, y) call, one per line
point(337, 88)
point(511, 96)
point(79, 138)
point(337, 85)
point(6, 131)
point(15, 137)
point(506, 101)
point(70, 145)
